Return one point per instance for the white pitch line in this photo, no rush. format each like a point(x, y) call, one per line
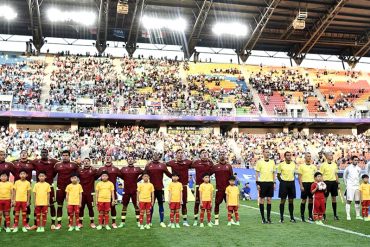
point(327, 226)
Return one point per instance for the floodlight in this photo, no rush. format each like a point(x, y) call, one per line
point(177, 25)
point(8, 13)
point(230, 28)
point(86, 18)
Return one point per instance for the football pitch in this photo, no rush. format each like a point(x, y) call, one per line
point(250, 233)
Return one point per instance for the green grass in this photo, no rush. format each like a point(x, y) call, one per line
point(251, 232)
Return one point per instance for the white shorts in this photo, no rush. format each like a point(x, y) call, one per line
point(353, 193)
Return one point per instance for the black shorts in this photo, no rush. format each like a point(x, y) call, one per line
point(331, 188)
point(307, 191)
point(159, 195)
point(287, 189)
point(267, 189)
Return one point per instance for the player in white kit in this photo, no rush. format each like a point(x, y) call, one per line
point(352, 178)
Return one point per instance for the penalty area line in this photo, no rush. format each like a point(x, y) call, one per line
point(327, 226)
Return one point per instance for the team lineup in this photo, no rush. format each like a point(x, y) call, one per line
point(76, 185)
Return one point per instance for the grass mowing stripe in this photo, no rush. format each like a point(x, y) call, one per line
point(328, 226)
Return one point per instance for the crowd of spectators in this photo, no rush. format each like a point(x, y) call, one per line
point(23, 80)
point(244, 149)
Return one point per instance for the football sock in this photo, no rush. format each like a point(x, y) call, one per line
point(357, 208)
point(348, 209)
point(281, 211)
point(148, 217)
point(291, 210)
point(236, 215)
point(24, 220)
point(209, 215)
point(268, 211)
point(137, 212)
point(172, 216)
point(16, 218)
point(303, 208)
point(334, 205)
point(177, 215)
point(52, 214)
point(161, 212)
point(262, 211)
point(44, 218)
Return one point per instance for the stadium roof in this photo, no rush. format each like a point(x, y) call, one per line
point(333, 27)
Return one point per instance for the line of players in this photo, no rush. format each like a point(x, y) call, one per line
point(130, 175)
point(309, 177)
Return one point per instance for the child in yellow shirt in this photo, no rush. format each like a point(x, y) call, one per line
point(365, 196)
point(205, 195)
point(42, 197)
point(232, 201)
point(21, 196)
point(175, 200)
point(6, 195)
point(145, 197)
point(104, 193)
point(74, 198)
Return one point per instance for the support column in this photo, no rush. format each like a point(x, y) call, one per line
point(285, 130)
point(306, 131)
point(163, 128)
point(235, 129)
point(354, 130)
point(74, 125)
point(217, 130)
point(102, 125)
point(12, 124)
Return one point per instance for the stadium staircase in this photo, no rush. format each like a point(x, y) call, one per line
point(47, 80)
point(323, 103)
point(256, 98)
point(117, 63)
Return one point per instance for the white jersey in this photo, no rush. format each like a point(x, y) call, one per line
point(368, 168)
point(352, 176)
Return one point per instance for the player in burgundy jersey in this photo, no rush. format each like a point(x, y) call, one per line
point(113, 174)
point(87, 175)
point(46, 165)
point(156, 170)
point(23, 164)
point(202, 166)
point(130, 175)
point(223, 172)
point(181, 167)
point(64, 170)
point(6, 167)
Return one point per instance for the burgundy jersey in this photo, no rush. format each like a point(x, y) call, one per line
point(222, 172)
point(87, 179)
point(46, 166)
point(201, 167)
point(23, 165)
point(64, 170)
point(156, 171)
point(130, 176)
point(6, 167)
point(182, 169)
point(113, 173)
point(318, 194)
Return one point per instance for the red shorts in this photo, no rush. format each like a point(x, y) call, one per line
point(145, 205)
point(104, 206)
point(206, 205)
point(73, 209)
point(175, 205)
point(5, 205)
point(232, 208)
point(20, 206)
point(41, 209)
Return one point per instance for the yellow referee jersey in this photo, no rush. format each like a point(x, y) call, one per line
point(329, 171)
point(307, 172)
point(266, 170)
point(286, 171)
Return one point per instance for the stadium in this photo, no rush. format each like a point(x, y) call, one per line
point(241, 122)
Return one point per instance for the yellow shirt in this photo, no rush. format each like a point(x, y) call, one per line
point(307, 172)
point(286, 171)
point(74, 191)
point(145, 191)
point(207, 192)
point(21, 190)
point(232, 193)
point(266, 170)
point(329, 171)
point(41, 190)
point(365, 191)
point(176, 191)
point(6, 190)
point(105, 191)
